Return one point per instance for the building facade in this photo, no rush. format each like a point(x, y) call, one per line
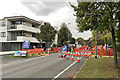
point(17, 29)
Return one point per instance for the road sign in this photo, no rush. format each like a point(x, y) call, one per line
point(26, 44)
point(64, 48)
point(23, 53)
point(20, 53)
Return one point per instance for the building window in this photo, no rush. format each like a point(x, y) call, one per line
point(2, 24)
point(18, 22)
point(3, 34)
point(33, 34)
point(19, 33)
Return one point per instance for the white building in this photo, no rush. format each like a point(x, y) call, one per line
point(17, 29)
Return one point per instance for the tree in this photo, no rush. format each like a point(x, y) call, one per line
point(72, 40)
point(63, 34)
point(101, 36)
point(80, 41)
point(99, 16)
point(47, 34)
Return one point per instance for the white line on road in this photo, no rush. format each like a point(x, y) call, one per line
point(64, 70)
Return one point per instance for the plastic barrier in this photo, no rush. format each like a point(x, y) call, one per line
point(32, 51)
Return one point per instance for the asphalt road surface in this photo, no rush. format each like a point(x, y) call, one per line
point(50, 66)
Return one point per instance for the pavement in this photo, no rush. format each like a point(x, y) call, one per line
point(50, 66)
point(6, 52)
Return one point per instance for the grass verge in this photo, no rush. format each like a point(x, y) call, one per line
point(98, 68)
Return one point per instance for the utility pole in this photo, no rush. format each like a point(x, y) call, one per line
point(106, 42)
point(96, 44)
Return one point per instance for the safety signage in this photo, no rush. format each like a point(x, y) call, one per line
point(26, 44)
point(64, 48)
point(20, 53)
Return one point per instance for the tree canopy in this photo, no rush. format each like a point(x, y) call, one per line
point(99, 16)
point(47, 33)
point(63, 34)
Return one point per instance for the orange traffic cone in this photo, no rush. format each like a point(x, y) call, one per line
point(67, 57)
point(44, 53)
point(59, 55)
point(63, 56)
point(68, 53)
point(48, 52)
point(90, 54)
point(78, 60)
point(59, 52)
point(72, 59)
point(76, 53)
point(71, 53)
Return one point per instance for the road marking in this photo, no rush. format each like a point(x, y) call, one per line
point(64, 70)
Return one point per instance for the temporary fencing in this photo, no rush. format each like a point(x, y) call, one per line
point(40, 50)
point(32, 51)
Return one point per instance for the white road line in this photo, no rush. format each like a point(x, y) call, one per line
point(64, 70)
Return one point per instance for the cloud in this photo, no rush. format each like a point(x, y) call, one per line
point(55, 12)
point(44, 7)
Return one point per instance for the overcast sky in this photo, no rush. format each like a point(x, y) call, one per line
point(53, 11)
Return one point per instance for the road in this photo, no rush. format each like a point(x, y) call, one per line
point(49, 66)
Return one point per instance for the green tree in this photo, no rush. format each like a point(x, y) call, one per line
point(101, 37)
point(63, 34)
point(99, 16)
point(47, 34)
point(72, 40)
point(80, 40)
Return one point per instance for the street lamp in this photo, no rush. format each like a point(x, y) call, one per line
point(68, 31)
point(41, 42)
point(96, 44)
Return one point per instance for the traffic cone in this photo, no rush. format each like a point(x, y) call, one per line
point(72, 59)
point(71, 53)
point(90, 54)
point(48, 52)
point(67, 57)
point(59, 55)
point(63, 56)
point(78, 59)
point(85, 54)
point(44, 53)
point(76, 53)
point(59, 52)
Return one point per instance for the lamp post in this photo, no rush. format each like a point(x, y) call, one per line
point(41, 42)
point(96, 44)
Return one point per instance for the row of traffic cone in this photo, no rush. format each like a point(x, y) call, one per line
point(45, 54)
point(79, 54)
point(68, 54)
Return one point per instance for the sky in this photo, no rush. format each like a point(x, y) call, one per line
point(53, 11)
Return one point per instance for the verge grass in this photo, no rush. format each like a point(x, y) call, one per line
point(98, 68)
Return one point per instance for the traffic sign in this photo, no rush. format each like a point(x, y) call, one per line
point(26, 44)
point(64, 48)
